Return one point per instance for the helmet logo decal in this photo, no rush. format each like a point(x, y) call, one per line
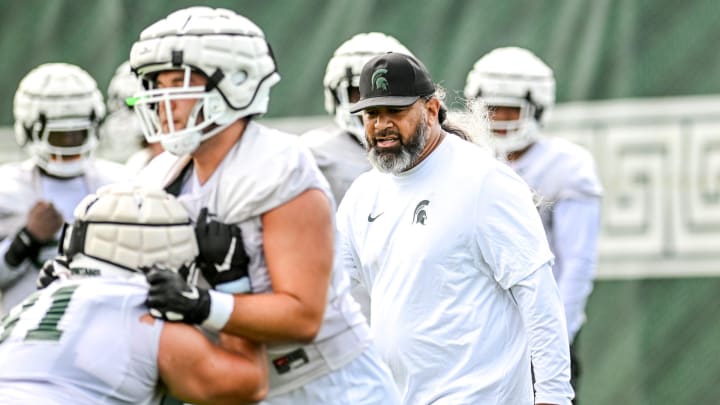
point(379, 82)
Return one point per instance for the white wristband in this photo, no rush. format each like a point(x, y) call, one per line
point(221, 307)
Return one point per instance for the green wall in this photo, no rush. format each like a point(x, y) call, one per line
point(646, 341)
point(600, 49)
point(652, 342)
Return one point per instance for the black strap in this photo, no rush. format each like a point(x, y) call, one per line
point(214, 79)
point(175, 186)
point(176, 58)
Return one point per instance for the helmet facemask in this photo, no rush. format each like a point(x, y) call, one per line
point(57, 110)
point(227, 49)
point(63, 147)
point(209, 116)
point(513, 135)
point(513, 77)
point(346, 120)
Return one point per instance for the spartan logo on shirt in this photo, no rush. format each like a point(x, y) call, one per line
point(420, 215)
point(379, 82)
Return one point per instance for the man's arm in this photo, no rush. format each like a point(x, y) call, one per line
point(19, 252)
point(298, 243)
point(576, 228)
point(538, 299)
point(197, 371)
point(512, 241)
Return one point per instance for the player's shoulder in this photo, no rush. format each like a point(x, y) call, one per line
point(573, 164)
point(319, 136)
point(17, 170)
point(565, 152)
point(108, 171)
point(471, 161)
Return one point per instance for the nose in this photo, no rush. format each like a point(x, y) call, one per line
point(381, 121)
point(167, 106)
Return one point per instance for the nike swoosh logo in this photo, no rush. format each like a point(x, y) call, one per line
point(191, 295)
point(225, 265)
point(371, 218)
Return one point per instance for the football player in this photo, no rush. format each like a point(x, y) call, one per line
point(519, 90)
point(88, 339)
point(339, 151)
point(263, 212)
point(122, 135)
point(57, 108)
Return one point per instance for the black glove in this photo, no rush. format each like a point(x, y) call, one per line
point(23, 246)
point(51, 270)
point(222, 258)
point(172, 299)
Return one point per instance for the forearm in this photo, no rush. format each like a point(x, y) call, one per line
point(538, 299)
point(575, 232)
point(575, 285)
point(273, 318)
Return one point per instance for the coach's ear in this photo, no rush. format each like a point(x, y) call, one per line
point(432, 108)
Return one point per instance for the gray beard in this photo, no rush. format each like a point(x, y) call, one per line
point(402, 160)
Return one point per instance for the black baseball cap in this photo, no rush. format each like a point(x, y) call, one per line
point(392, 80)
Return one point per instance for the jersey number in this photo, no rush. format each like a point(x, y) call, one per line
point(47, 328)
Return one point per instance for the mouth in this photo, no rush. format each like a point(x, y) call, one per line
point(387, 141)
point(166, 127)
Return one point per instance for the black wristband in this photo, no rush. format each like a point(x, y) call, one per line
point(24, 246)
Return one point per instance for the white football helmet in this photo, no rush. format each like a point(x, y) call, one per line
point(343, 72)
point(57, 109)
point(121, 132)
point(227, 48)
point(513, 77)
point(131, 227)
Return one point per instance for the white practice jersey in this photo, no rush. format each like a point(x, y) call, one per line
point(21, 187)
point(339, 155)
point(564, 177)
point(437, 250)
point(264, 170)
point(81, 342)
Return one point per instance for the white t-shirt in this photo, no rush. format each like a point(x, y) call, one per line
point(81, 342)
point(564, 177)
point(437, 250)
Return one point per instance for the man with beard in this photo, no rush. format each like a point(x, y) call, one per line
point(449, 249)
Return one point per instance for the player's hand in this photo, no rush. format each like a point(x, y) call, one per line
point(172, 299)
point(52, 270)
point(222, 259)
point(44, 221)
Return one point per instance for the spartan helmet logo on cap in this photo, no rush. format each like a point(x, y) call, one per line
point(378, 79)
point(342, 75)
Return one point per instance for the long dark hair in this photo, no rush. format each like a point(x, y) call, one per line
point(451, 127)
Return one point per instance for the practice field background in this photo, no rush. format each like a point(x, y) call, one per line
point(638, 85)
